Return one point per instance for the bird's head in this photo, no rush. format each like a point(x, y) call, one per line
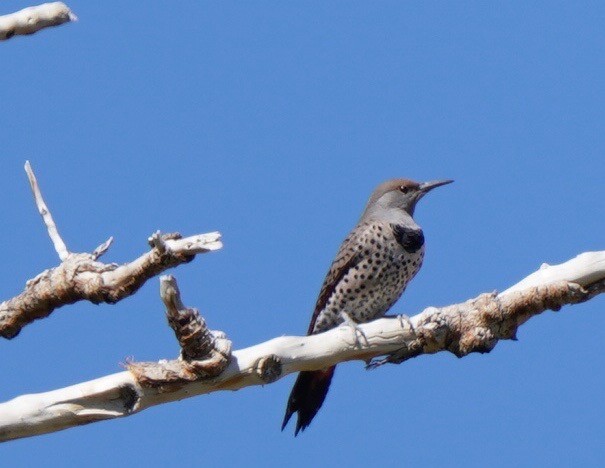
point(400, 194)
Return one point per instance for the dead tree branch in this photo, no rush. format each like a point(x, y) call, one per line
point(472, 326)
point(33, 19)
point(204, 354)
point(80, 276)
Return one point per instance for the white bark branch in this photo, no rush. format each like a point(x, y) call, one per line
point(474, 326)
point(33, 19)
point(587, 268)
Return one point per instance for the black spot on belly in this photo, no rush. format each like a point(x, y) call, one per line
point(410, 239)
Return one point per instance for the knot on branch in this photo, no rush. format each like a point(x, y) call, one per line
point(78, 277)
point(431, 331)
point(477, 334)
point(269, 368)
point(475, 340)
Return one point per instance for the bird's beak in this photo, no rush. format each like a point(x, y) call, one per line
point(428, 186)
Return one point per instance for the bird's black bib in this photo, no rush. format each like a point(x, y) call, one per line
point(410, 239)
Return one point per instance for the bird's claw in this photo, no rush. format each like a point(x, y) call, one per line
point(372, 364)
point(347, 321)
point(404, 321)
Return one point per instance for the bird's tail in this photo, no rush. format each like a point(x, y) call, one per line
point(307, 396)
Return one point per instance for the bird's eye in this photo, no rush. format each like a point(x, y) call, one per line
point(404, 188)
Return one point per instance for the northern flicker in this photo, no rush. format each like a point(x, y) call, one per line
point(371, 270)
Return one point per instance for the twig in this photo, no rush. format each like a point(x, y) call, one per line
point(101, 249)
point(53, 232)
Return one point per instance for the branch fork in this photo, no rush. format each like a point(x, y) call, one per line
point(80, 276)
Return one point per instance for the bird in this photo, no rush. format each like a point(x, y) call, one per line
point(371, 270)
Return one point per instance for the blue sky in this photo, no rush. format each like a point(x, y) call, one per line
point(272, 122)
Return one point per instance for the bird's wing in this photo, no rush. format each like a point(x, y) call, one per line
point(347, 257)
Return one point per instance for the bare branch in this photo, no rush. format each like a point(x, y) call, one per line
point(32, 19)
point(81, 277)
point(473, 326)
point(53, 232)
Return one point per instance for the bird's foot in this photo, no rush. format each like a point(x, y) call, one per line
point(347, 321)
point(405, 323)
point(404, 320)
point(375, 363)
